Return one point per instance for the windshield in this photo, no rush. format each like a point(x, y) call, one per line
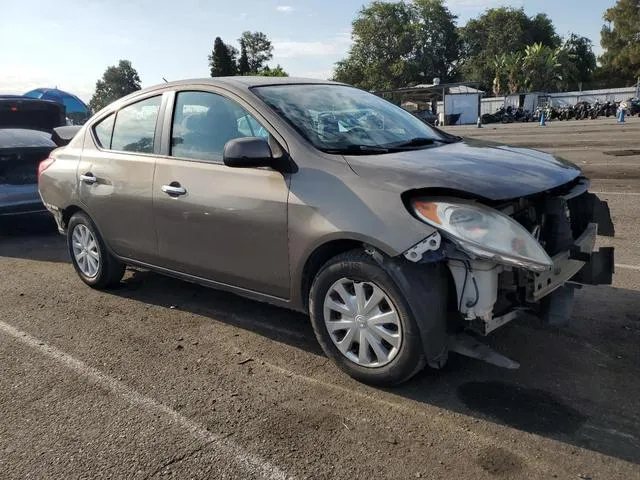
point(343, 119)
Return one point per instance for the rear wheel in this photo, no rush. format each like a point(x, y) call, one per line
point(363, 321)
point(93, 263)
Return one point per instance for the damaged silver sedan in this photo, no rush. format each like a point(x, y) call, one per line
point(402, 242)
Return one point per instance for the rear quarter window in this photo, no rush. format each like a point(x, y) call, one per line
point(103, 131)
point(135, 126)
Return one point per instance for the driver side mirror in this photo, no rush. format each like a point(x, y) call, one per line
point(247, 152)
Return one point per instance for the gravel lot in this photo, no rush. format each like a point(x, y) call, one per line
point(163, 378)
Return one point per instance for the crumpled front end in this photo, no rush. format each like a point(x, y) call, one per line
point(490, 293)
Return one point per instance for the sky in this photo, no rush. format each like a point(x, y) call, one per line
point(69, 43)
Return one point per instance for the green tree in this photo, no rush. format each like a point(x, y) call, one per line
point(620, 39)
point(508, 77)
point(116, 82)
point(438, 46)
point(542, 68)
point(500, 31)
point(540, 29)
point(500, 75)
point(513, 63)
point(221, 63)
point(258, 50)
point(233, 55)
point(383, 54)
point(349, 71)
point(580, 61)
point(243, 62)
point(273, 72)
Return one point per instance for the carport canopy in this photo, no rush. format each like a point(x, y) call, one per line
point(424, 93)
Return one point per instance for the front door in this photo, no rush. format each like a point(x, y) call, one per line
point(220, 223)
point(116, 178)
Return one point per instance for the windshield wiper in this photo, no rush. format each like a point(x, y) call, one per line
point(414, 142)
point(451, 139)
point(357, 150)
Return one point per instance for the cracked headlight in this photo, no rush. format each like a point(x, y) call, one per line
point(483, 232)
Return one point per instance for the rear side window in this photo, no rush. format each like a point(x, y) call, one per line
point(103, 131)
point(135, 127)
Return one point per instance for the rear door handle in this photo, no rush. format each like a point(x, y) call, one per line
point(174, 189)
point(88, 178)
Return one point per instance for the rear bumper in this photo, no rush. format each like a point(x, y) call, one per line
point(20, 200)
point(26, 208)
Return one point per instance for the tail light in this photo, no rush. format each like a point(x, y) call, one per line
point(44, 164)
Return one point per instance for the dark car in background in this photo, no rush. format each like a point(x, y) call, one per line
point(394, 236)
point(26, 138)
point(426, 116)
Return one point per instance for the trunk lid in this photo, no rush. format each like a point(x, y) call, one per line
point(29, 113)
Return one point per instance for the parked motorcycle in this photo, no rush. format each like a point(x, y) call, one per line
point(611, 109)
point(596, 110)
point(582, 110)
point(633, 106)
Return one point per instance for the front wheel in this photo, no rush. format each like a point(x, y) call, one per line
point(363, 321)
point(94, 264)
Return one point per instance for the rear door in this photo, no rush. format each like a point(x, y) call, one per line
point(224, 224)
point(116, 177)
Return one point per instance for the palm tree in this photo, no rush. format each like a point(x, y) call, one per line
point(513, 63)
point(542, 68)
point(499, 66)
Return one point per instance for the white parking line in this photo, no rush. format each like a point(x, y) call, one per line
point(610, 164)
point(627, 267)
point(253, 464)
point(617, 193)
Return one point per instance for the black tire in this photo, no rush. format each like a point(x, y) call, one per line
point(110, 270)
point(359, 266)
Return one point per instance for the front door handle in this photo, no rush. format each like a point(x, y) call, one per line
point(174, 189)
point(88, 178)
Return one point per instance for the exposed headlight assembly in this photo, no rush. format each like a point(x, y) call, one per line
point(483, 232)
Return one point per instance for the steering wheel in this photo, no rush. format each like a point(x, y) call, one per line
point(359, 131)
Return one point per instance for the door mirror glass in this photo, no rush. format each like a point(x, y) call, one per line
point(247, 152)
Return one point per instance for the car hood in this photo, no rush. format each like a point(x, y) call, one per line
point(484, 169)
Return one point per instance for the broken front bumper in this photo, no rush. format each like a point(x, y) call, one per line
point(580, 264)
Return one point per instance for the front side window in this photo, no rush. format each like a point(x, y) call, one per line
point(103, 131)
point(135, 126)
point(203, 122)
point(342, 119)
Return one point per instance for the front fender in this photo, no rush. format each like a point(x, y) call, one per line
point(426, 288)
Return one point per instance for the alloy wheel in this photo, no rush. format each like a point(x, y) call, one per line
point(85, 251)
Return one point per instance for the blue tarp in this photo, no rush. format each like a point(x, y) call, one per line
point(72, 103)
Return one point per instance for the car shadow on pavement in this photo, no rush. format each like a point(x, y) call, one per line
point(32, 238)
point(577, 385)
point(272, 322)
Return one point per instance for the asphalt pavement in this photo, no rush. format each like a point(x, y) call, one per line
point(161, 378)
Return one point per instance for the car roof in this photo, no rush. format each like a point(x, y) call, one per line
point(240, 82)
point(237, 84)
